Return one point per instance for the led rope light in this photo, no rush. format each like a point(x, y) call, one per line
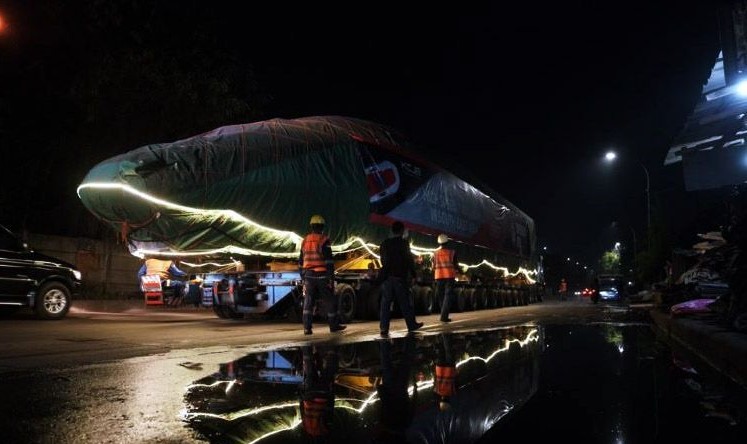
point(214, 264)
point(532, 336)
point(281, 234)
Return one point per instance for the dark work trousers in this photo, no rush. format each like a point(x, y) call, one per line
point(394, 287)
point(316, 285)
point(445, 291)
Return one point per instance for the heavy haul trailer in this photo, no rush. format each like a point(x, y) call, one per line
point(280, 293)
point(249, 190)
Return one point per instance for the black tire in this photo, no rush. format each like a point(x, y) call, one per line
point(218, 310)
point(458, 305)
point(492, 295)
point(481, 298)
point(469, 299)
point(345, 302)
point(503, 297)
point(427, 302)
point(226, 312)
point(53, 301)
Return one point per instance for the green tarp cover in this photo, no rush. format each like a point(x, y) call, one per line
point(252, 188)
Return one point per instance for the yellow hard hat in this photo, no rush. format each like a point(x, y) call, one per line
point(442, 238)
point(316, 219)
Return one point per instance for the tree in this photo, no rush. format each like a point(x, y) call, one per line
point(610, 261)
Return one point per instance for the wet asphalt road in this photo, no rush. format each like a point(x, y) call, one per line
point(89, 337)
point(102, 377)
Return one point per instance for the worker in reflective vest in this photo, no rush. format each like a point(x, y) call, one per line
point(317, 401)
point(444, 384)
point(317, 270)
point(445, 266)
point(563, 289)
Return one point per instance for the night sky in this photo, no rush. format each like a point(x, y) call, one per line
point(528, 98)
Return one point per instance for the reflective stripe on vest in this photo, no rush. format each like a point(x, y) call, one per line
point(313, 411)
point(443, 264)
point(313, 259)
point(445, 384)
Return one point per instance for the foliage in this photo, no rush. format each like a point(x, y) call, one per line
point(610, 262)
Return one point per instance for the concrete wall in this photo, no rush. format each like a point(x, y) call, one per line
point(108, 269)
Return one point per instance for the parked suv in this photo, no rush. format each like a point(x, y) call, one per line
point(30, 279)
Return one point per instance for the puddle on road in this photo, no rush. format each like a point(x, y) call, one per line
point(594, 383)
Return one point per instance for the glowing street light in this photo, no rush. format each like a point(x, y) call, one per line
point(610, 156)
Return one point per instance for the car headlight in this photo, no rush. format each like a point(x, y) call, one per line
point(77, 274)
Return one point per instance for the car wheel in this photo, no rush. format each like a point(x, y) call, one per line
point(53, 301)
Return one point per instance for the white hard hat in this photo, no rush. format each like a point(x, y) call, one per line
point(442, 238)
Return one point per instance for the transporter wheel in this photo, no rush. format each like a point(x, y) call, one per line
point(345, 302)
point(481, 297)
point(226, 312)
point(428, 299)
point(218, 310)
point(458, 305)
point(423, 300)
point(469, 299)
point(503, 298)
point(492, 295)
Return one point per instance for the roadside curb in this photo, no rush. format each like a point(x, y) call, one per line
point(724, 350)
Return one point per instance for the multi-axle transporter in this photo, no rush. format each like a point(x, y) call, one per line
point(247, 192)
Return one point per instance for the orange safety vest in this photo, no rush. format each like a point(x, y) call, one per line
point(313, 258)
point(159, 267)
point(445, 384)
point(313, 416)
point(443, 264)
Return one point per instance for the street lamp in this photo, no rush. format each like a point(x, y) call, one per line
point(610, 156)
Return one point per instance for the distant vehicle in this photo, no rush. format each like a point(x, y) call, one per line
point(30, 279)
point(609, 288)
point(587, 292)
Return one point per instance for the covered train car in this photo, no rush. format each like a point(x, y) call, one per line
point(250, 189)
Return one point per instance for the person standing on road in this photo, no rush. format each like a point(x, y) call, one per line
point(397, 272)
point(445, 266)
point(563, 289)
point(316, 266)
